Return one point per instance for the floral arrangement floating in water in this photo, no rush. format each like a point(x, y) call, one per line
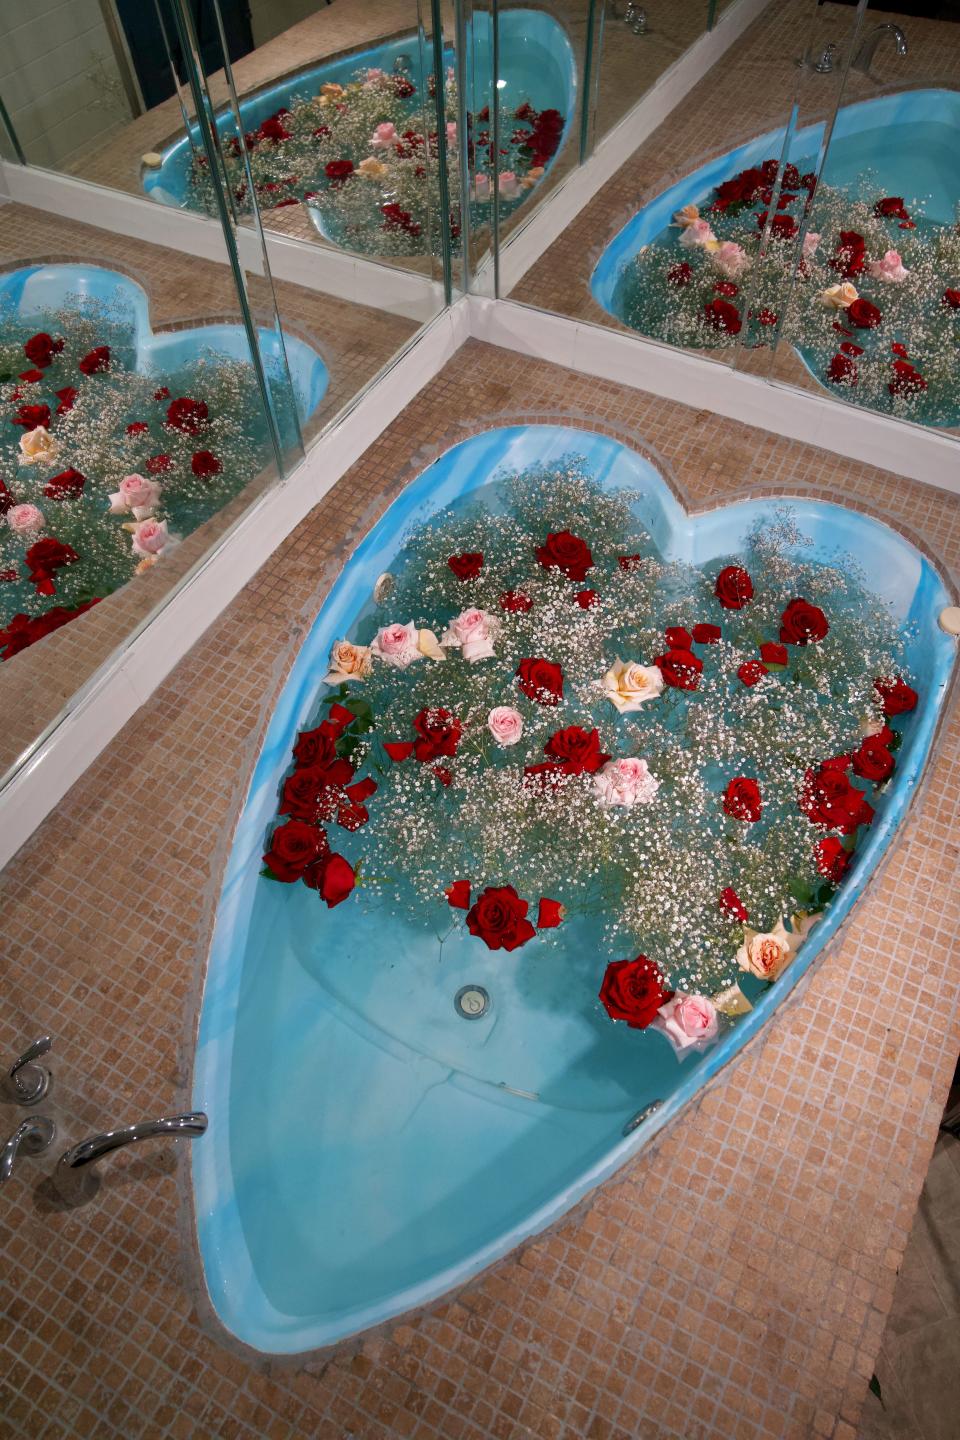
point(104, 468)
point(571, 731)
point(876, 305)
point(364, 157)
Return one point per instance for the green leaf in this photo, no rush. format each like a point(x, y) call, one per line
point(896, 742)
point(268, 874)
point(874, 1388)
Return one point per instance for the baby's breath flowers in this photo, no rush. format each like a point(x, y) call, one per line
point(658, 803)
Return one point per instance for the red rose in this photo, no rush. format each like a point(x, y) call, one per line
point(550, 913)
point(515, 602)
point(31, 416)
point(842, 371)
point(773, 654)
point(398, 750)
point(138, 427)
point(906, 380)
point(586, 599)
point(678, 638)
point(721, 315)
point(294, 846)
point(577, 750)
point(158, 464)
point(162, 394)
point(891, 207)
point(567, 553)
point(767, 317)
point(30, 377)
point(458, 894)
point(186, 415)
point(337, 171)
point(65, 486)
point(802, 623)
point(41, 348)
point(751, 672)
point(896, 695)
point(742, 799)
point(273, 129)
point(45, 556)
point(438, 732)
point(873, 760)
point(7, 501)
point(317, 746)
point(732, 906)
point(733, 587)
point(67, 397)
point(96, 361)
point(826, 797)
point(951, 298)
point(204, 464)
point(727, 288)
point(831, 859)
point(848, 348)
point(634, 990)
point(629, 562)
point(706, 634)
point(466, 566)
point(680, 274)
point(850, 256)
point(782, 227)
point(498, 918)
point(896, 349)
point(680, 668)
point(864, 315)
point(541, 680)
point(332, 877)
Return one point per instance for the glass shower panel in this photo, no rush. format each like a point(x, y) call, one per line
point(873, 314)
point(639, 42)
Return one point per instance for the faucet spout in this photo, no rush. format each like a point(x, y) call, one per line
point(75, 1178)
point(864, 56)
point(31, 1137)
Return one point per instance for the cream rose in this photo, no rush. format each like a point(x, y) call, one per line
point(25, 519)
point(839, 297)
point(625, 782)
point(37, 446)
point(474, 631)
point(766, 954)
point(136, 494)
point(628, 685)
point(372, 169)
point(348, 662)
point(505, 725)
point(688, 1020)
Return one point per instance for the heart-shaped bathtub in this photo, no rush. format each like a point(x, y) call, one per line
point(388, 1117)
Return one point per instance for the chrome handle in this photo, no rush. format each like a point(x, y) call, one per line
point(74, 1176)
point(31, 1137)
point(26, 1083)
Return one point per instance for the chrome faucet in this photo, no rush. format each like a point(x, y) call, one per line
point(864, 56)
point(25, 1083)
point(31, 1137)
point(823, 64)
point(74, 1176)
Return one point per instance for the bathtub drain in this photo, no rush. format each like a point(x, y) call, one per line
point(471, 1001)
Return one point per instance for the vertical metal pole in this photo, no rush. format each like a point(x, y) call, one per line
point(495, 52)
point(439, 96)
point(465, 107)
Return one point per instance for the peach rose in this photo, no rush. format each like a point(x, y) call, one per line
point(136, 494)
point(37, 446)
point(766, 954)
point(372, 169)
point(505, 724)
point(686, 215)
point(625, 782)
point(25, 519)
point(475, 632)
point(348, 662)
point(839, 297)
point(628, 685)
point(688, 1020)
point(150, 537)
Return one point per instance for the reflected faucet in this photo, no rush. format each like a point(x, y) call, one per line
point(864, 56)
point(31, 1137)
point(25, 1083)
point(74, 1176)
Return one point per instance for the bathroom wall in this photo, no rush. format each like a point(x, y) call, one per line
point(58, 77)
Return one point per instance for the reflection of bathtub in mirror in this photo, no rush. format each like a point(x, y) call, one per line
point(900, 145)
point(370, 1148)
point(345, 137)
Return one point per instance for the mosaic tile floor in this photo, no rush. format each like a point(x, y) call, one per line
point(731, 1283)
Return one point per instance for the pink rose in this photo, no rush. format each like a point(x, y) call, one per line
point(625, 782)
point(697, 235)
point(505, 724)
point(451, 130)
point(25, 519)
point(398, 645)
point(150, 537)
point(474, 631)
point(810, 242)
point(890, 269)
point(687, 1019)
point(507, 184)
point(480, 185)
point(730, 259)
point(136, 493)
point(384, 136)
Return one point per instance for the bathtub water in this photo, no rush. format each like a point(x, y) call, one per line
point(907, 140)
point(537, 64)
point(369, 1149)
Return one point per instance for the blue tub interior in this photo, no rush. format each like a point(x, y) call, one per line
point(368, 1150)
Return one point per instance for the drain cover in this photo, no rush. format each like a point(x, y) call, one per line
point(471, 1001)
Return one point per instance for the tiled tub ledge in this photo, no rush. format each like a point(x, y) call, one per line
point(732, 1281)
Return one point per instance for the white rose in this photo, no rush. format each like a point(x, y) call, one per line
point(37, 446)
point(628, 685)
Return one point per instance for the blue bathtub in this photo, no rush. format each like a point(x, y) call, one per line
point(40, 290)
point(368, 1150)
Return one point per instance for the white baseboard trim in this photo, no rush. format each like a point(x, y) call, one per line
point(114, 694)
point(317, 267)
point(548, 221)
point(820, 420)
